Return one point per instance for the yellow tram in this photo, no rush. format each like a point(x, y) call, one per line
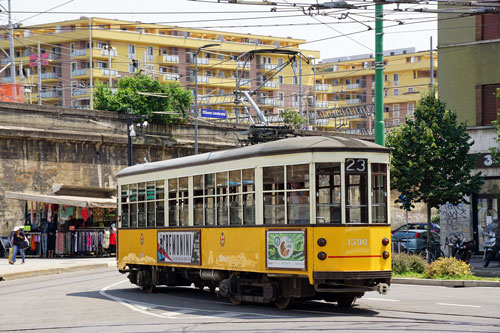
point(298, 218)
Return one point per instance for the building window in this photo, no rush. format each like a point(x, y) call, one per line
point(294, 80)
point(395, 122)
point(280, 79)
point(411, 109)
point(131, 68)
point(131, 51)
point(395, 111)
point(396, 92)
point(395, 79)
point(411, 90)
point(489, 105)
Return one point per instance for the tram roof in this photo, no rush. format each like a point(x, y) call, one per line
point(279, 147)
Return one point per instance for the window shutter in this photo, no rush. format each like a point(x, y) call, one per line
point(490, 28)
point(489, 103)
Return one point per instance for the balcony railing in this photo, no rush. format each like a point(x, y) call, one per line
point(50, 94)
point(268, 66)
point(79, 91)
point(79, 72)
point(6, 79)
point(322, 87)
point(105, 71)
point(105, 52)
point(170, 58)
point(171, 76)
point(5, 61)
point(353, 86)
point(242, 63)
point(50, 76)
point(320, 104)
point(270, 101)
point(202, 61)
point(78, 53)
point(353, 101)
point(271, 84)
point(203, 79)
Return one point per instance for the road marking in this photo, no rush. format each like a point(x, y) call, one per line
point(462, 305)
point(175, 312)
point(381, 299)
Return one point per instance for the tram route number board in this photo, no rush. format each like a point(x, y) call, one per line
point(181, 247)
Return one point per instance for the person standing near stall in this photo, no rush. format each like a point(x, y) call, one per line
point(44, 228)
point(51, 238)
point(19, 243)
point(112, 239)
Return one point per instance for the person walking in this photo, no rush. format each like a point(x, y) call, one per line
point(19, 243)
point(45, 231)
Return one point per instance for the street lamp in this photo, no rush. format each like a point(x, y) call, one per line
point(130, 133)
point(311, 57)
point(196, 94)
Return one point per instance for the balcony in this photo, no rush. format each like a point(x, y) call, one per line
point(353, 86)
point(322, 87)
point(78, 53)
point(50, 94)
point(202, 61)
point(106, 71)
point(268, 67)
point(171, 58)
point(5, 61)
point(353, 101)
point(79, 72)
point(48, 76)
point(242, 63)
point(105, 52)
point(79, 91)
point(271, 84)
point(320, 104)
point(203, 79)
point(270, 101)
point(171, 76)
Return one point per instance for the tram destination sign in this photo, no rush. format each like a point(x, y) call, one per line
point(209, 113)
point(179, 247)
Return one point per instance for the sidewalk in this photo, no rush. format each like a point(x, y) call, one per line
point(40, 266)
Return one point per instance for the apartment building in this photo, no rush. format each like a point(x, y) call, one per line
point(76, 55)
point(348, 83)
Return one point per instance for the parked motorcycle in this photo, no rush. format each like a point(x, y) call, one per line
point(491, 248)
point(460, 248)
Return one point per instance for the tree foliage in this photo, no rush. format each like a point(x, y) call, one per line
point(291, 117)
point(430, 160)
point(158, 97)
point(495, 151)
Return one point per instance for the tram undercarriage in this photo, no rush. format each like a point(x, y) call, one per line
point(238, 287)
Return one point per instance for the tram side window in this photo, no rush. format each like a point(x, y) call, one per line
point(141, 204)
point(379, 193)
point(297, 178)
point(133, 205)
point(222, 198)
point(274, 195)
point(173, 216)
point(209, 199)
point(356, 190)
point(150, 204)
point(198, 200)
point(183, 201)
point(328, 193)
point(125, 199)
point(160, 203)
point(248, 182)
point(235, 207)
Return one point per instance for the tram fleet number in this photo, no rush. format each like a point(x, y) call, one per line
point(357, 241)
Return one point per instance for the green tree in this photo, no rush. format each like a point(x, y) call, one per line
point(143, 95)
point(429, 158)
point(495, 151)
point(291, 117)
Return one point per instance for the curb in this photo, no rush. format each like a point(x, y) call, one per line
point(50, 271)
point(446, 283)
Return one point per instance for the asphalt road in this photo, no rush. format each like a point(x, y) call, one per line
point(104, 301)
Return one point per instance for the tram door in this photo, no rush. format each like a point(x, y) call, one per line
point(328, 193)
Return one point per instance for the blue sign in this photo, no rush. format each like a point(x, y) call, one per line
point(219, 114)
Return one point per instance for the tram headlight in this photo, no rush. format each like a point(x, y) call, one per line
point(385, 241)
point(322, 256)
point(321, 242)
point(385, 255)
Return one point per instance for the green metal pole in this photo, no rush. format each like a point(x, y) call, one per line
point(379, 76)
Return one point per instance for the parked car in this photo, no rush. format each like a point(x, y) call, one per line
point(417, 242)
point(419, 225)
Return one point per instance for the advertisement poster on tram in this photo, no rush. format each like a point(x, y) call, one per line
point(285, 249)
point(181, 247)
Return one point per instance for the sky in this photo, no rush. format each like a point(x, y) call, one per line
point(340, 33)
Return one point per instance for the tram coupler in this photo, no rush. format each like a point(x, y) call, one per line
point(382, 288)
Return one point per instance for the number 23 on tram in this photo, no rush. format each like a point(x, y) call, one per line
point(298, 218)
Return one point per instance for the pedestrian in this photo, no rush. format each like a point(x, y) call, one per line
point(19, 243)
point(112, 239)
point(45, 234)
point(51, 238)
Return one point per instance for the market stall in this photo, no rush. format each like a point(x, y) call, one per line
point(75, 225)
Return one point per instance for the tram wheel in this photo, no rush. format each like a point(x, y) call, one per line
point(346, 301)
point(283, 303)
point(235, 301)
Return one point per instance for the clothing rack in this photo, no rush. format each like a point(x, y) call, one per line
point(80, 242)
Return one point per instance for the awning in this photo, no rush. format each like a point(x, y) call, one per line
point(63, 200)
